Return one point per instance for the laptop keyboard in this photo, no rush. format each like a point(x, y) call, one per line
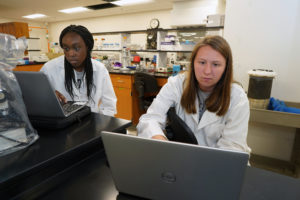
point(70, 107)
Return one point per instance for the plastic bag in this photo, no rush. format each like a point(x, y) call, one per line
point(16, 131)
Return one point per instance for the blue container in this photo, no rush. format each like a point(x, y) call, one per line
point(176, 69)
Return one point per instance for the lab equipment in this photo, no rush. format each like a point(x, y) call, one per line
point(16, 131)
point(260, 85)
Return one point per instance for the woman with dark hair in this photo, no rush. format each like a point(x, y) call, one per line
point(77, 77)
point(214, 107)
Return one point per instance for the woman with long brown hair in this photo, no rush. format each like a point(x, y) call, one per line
point(205, 97)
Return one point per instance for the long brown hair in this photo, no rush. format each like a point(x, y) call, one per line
point(219, 99)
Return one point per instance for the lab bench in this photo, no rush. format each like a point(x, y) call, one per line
point(284, 119)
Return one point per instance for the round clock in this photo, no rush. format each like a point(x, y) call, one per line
point(154, 23)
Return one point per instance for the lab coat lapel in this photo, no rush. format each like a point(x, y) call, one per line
point(208, 118)
point(195, 116)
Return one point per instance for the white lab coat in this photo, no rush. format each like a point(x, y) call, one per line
point(227, 132)
point(103, 91)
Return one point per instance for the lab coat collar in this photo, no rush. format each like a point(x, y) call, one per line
point(207, 117)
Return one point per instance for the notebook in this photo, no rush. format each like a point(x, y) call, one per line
point(40, 99)
point(156, 169)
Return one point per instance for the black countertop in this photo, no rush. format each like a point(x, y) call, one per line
point(92, 180)
point(33, 63)
point(131, 72)
point(55, 151)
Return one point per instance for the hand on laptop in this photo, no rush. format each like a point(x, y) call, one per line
point(159, 137)
point(61, 97)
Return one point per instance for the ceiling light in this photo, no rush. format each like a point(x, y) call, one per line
point(73, 10)
point(34, 16)
point(130, 2)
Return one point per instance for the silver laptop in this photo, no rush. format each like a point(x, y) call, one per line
point(157, 169)
point(40, 98)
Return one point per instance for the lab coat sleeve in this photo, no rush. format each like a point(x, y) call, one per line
point(108, 99)
point(46, 69)
point(234, 135)
point(154, 121)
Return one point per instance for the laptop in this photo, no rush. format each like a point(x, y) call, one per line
point(40, 98)
point(156, 169)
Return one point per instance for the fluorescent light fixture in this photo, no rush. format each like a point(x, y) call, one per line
point(34, 16)
point(130, 2)
point(73, 10)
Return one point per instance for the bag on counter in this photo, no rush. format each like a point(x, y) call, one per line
point(16, 131)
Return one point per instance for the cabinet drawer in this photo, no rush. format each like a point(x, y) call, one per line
point(121, 80)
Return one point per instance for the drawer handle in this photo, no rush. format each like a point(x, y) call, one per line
point(120, 81)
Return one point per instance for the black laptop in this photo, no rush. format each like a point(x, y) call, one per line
point(43, 106)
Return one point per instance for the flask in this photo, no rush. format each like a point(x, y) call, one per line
point(125, 57)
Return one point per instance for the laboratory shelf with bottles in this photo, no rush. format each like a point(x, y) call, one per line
point(163, 45)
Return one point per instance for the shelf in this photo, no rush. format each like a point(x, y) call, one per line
point(192, 28)
point(33, 50)
point(119, 32)
point(166, 51)
point(196, 28)
point(147, 50)
point(116, 50)
point(275, 117)
point(154, 39)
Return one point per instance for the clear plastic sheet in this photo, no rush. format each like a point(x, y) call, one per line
point(16, 131)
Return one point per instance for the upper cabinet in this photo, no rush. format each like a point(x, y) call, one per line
point(17, 29)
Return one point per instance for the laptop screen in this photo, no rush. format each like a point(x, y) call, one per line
point(157, 169)
point(39, 96)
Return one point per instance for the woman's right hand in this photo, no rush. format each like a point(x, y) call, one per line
point(159, 137)
point(61, 97)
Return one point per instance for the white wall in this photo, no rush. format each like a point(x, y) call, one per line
point(39, 30)
point(265, 34)
point(135, 21)
point(4, 20)
point(194, 12)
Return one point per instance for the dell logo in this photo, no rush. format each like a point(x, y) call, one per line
point(168, 177)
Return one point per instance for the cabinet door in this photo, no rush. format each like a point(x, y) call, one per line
point(124, 103)
point(18, 29)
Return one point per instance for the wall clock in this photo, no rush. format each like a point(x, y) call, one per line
point(154, 23)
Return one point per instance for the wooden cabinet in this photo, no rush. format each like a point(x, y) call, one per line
point(127, 96)
point(123, 89)
point(18, 29)
point(33, 68)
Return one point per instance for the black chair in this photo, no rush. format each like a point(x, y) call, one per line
point(177, 130)
point(145, 85)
